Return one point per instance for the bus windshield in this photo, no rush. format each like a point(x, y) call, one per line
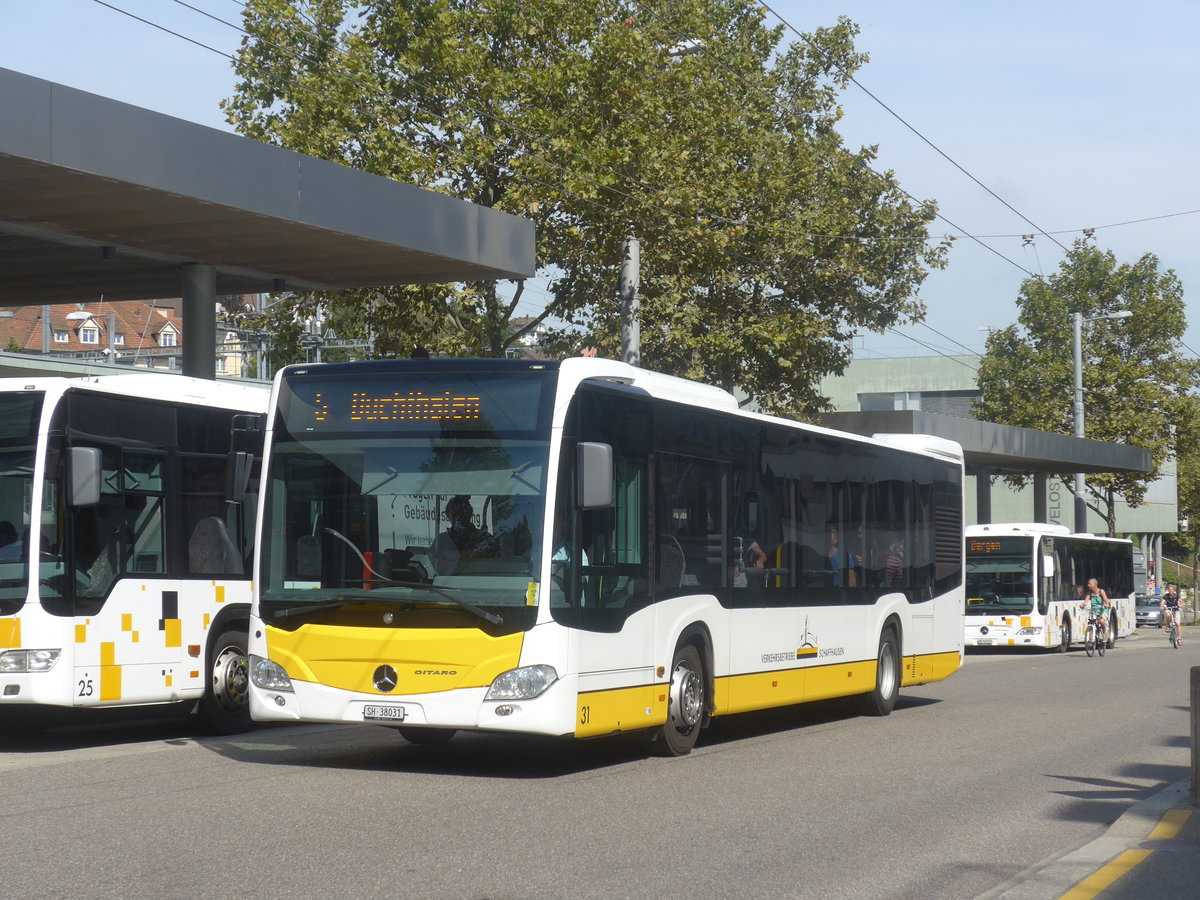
point(1000, 585)
point(19, 414)
point(436, 520)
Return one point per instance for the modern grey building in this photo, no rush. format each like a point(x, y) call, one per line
point(928, 388)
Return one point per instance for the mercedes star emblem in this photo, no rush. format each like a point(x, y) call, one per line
point(385, 679)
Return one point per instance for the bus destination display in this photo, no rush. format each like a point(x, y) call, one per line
point(456, 402)
point(413, 406)
point(997, 546)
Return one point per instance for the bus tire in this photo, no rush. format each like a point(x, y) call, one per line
point(1112, 630)
point(1066, 635)
point(686, 702)
point(225, 706)
point(427, 735)
point(882, 700)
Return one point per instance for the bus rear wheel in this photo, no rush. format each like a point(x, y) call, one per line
point(686, 702)
point(1112, 631)
point(1066, 636)
point(882, 700)
point(225, 706)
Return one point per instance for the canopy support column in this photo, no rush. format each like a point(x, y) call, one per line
point(199, 292)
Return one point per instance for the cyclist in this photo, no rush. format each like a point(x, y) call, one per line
point(1096, 602)
point(1170, 610)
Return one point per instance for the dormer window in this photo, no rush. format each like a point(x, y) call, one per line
point(89, 334)
point(62, 337)
point(167, 339)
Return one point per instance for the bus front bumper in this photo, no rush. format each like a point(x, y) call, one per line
point(552, 712)
point(1004, 636)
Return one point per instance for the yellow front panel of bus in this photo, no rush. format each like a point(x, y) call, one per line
point(10, 633)
point(621, 709)
point(426, 660)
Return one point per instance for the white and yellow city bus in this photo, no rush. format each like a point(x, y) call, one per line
point(124, 545)
point(1023, 580)
point(584, 548)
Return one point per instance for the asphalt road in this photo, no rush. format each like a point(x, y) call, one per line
point(1015, 759)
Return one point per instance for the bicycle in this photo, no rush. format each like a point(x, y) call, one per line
point(1094, 638)
point(1173, 627)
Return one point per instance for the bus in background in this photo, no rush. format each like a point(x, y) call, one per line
point(585, 548)
point(126, 516)
point(1022, 580)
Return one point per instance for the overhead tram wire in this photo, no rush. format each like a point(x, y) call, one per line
point(703, 49)
point(723, 65)
point(935, 350)
point(950, 339)
point(527, 134)
point(913, 129)
point(547, 311)
point(696, 214)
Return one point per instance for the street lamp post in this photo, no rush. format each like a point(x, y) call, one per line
point(1077, 321)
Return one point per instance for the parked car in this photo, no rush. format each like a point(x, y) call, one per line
point(1148, 612)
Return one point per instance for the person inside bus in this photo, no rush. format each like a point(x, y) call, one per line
point(1096, 602)
point(894, 564)
point(10, 546)
point(463, 539)
point(836, 561)
point(749, 563)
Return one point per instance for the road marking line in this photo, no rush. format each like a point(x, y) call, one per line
point(1090, 887)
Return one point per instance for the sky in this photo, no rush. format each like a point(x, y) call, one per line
point(1077, 114)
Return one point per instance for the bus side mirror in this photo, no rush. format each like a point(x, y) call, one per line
point(594, 474)
point(86, 474)
point(237, 475)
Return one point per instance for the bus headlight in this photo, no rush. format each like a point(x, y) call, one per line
point(1030, 631)
point(268, 675)
point(19, 661)
point(522, 683)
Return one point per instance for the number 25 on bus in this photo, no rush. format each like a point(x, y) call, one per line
point(585, 548)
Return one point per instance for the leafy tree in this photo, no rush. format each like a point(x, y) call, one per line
point(1187, 455)
point(1135, 382)
point(766, 243)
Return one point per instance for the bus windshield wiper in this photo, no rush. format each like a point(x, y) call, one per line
point(339, 602)
point(444, 592)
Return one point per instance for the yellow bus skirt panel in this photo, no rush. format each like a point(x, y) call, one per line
point(930, 667)
point(426, 660)
point(621, 709)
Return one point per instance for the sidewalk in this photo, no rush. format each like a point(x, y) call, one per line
point(1153, 850)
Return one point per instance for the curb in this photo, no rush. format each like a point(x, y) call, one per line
point(1054, 876)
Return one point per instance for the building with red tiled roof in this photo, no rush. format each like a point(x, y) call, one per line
point(130, 331)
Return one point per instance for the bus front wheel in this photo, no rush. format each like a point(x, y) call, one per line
point(225, 706)
point(882, 700)
point(685, 705)
point(1066, 636)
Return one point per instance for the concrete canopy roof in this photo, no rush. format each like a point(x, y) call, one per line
point(1003, 449)
point(80, 173)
